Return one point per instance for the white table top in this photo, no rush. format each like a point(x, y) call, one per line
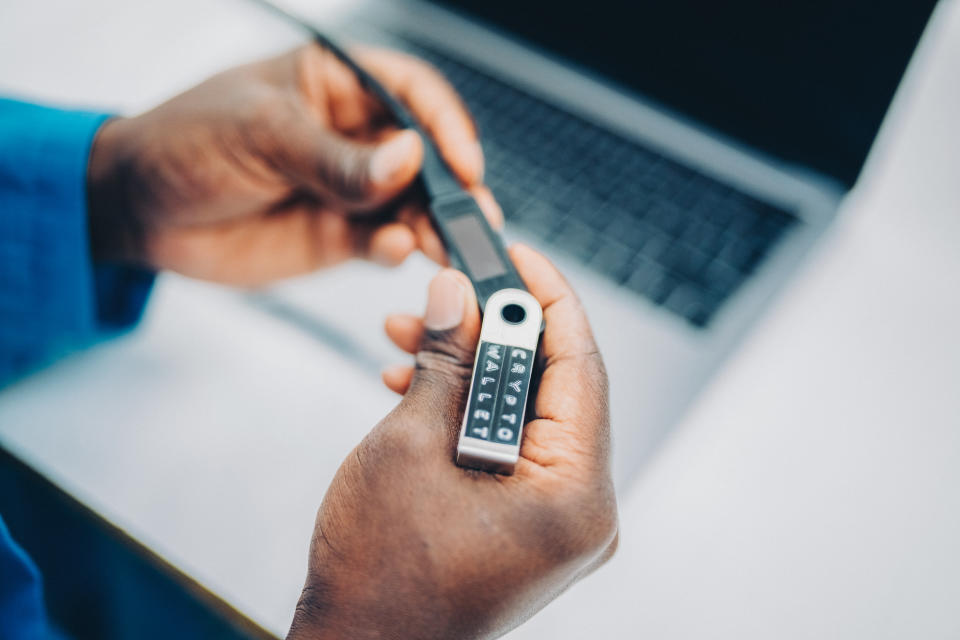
point(813, 492)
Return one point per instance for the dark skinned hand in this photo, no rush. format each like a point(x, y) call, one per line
point(277, 168)
point(408, 545)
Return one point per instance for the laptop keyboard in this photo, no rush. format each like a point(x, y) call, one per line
point(680, 239)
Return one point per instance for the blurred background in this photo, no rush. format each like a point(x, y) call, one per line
point(759, 206)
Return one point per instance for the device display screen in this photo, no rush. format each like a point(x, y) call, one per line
point(807, 81)
point(476, 249)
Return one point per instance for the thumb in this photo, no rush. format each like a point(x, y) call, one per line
point(445, 360)
point(360, 175)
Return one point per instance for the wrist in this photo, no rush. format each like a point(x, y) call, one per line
point(314, 619)
point(322, 614)
point(115, 233)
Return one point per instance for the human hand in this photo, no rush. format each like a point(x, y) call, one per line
point(408, 545)
point(276, 168)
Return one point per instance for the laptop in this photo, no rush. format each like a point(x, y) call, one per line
point(677, 160)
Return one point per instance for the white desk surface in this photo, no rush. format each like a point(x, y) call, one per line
point(813, 492)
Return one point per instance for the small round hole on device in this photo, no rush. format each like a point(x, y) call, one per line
point(513, 313)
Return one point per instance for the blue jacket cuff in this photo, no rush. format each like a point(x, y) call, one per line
point(52, 297)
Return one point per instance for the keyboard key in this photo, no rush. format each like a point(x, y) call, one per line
point(629, 231)
point(703, 235)
point(577, 238)
point(604, 215)
point(685, 300)
point(656, 247)
point(538, 217)
point(613, 259)
point(686, 260)
point(721, 278)
point(651, 281)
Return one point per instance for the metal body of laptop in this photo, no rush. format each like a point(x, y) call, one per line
point(676, 161)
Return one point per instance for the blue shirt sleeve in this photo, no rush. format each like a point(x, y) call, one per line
point(22, 613)
point(53, 299)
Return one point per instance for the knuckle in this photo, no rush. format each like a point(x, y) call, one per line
point(348, 173)
point(271, 112)
point(445, 356)
point(437, 369)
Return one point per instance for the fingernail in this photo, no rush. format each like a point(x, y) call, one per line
point(475, 152)
point(491, 208)
point(445, 302)
point(386, 254)
point(392, 157)
point(394, 370)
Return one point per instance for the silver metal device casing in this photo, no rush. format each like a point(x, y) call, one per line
point(493, 456)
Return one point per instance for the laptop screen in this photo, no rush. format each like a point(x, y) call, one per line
point(807, 81)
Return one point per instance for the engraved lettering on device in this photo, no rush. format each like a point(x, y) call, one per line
point(492, 430)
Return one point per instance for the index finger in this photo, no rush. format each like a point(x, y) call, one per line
point(573, 387)
point(436, 104)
